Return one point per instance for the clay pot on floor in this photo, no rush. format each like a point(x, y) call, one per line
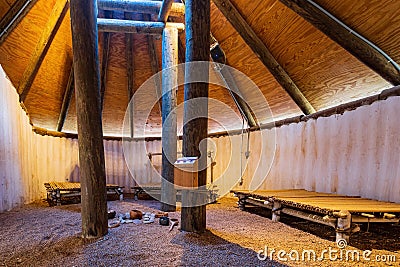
point(136, 214)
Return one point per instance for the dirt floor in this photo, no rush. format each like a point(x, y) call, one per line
point(38, 235)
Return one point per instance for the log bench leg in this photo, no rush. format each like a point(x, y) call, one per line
point(120, 192)
point(343, 227)
point(276, 211)
point(58, 197)
point(242, 202)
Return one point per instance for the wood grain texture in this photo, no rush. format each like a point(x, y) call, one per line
point(259, 48)
point(128, 26)
point(87, 88)
point(43, 45)
point(104, 59)
point(13, 16)
point(130, 74)
point(311, 58)
point(352, 43)
point(169, 135)
point(165, 10)
point(326, 73)
point(147, 7)
point(195, 126)
point(376, 20)
point(66, 100)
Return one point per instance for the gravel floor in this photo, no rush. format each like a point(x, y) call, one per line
point(37, 235)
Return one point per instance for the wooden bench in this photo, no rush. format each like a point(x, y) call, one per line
point(58, 191)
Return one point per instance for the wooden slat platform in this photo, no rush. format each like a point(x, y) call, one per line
point(338, 211)
point(322, 202)
point(56, 191)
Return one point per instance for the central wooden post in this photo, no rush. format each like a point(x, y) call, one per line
point(169, 121)
point(88, 109)
point(197, 20)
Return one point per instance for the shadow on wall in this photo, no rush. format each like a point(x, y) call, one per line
point(74, 175)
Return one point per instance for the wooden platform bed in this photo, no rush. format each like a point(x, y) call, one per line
point(338, 211)
point(58, 192)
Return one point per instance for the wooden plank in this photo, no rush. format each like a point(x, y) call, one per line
point(56, 17)
point(87, 92)
point(146, 7)
point(169, 117)
point(13, 16)
point(66, 100)
point(165, 10)
point(130, 73)
point(350, 41)
point(140, 27)
point(154, 62)
point(193, 218)
point(259, 48)
point(104, 60)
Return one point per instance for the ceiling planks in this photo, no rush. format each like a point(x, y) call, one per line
point(104, 60)
point(259, 48)
point(13, 16)
point(66, 100)
point(50, 30)
point(347, 39)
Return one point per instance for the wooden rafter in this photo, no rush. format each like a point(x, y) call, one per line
point(66, 100)
point(13, 16)
point(154, 61)
point(348, 40)
point(165, 10)
point(218, 56)
point(104, 59)
point(145, 7)
point(259, 48)
point(130, 26)
point(56, 17)
point(130, 68)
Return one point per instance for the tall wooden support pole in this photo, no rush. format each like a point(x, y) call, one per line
point(169, 120)
point(88, 109)
point(193, 219)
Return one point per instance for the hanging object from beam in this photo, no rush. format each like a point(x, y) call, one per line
point(140, 27)
point(147, 7)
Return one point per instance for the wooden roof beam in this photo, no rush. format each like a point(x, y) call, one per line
point(104, 60)
point(130, 26)
point(354, 43)
point(14, 16)
point(66, 100)
point(56, 17)
point(154, 61)
point(130, 73)
point(259, 48)
point(146, 7)
point(165, 10)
